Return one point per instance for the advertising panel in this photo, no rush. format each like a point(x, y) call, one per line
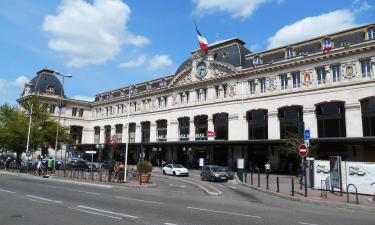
point(362, 175)
point(335, 171)
point(321, 174)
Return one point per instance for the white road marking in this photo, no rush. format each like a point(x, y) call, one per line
point(307, 223)
point(38, 201)
point(3, 190)
point(138, 200)
point(233, 187)
point(170, 223)
point(230, 213)
point(46, 185)
point(180, 186)
point(99, 214)
point(87, 192)
point(44, 199)
point(106, 211)
point(220, 185)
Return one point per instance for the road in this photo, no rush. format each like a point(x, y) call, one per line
point(34, 200)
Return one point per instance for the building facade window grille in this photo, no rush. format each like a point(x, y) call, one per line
point(161, 130)
point(366, 67)
point(145, 129)
point(291, 122)
point(183, 128)
point(321, 75)
point(368, 116)
point(201, 127)
point(336, 73)
point(119, 129)
point(257, 124)
point(221, 126)
point(284, 81)
point(296, 80)
point(131, 132)
point(331, 119)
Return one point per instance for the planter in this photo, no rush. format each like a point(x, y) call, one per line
point(145, 178)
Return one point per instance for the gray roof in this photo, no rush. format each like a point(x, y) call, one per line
point(44, 79)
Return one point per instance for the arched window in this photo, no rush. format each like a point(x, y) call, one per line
point(331, 119)
point(161, 130)
point(145, 129)
point(76, 134)
point(131, 132)
point(291, 122)
point(183, 128)
point(257, 124)
point(119, 133)
point(107, 134)
point(96, 135)
point(368, 116)
point(221, 126)
point(201, 126)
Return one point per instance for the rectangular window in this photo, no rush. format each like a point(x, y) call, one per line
point(284, 81)
point(52, 109)
point(262, 82)
point(296, 80)
point(366, 68)
point(371, 34)
point(321, 75)
point(80, 112)
point(289, 53)
point(336, 76)
point(252, 86)
point(74, 112)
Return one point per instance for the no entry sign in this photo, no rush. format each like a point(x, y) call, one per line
point(303, 150)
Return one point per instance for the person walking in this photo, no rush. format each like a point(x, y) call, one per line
point(50, 165)
point(267, 168)
point(39, 167)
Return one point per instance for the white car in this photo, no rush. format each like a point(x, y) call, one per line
point(175, 170)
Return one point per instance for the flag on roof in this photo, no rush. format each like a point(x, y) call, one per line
point(203, 44)
point(327, 45)
point(256, 61)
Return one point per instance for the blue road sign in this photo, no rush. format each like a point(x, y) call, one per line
point(307, 134)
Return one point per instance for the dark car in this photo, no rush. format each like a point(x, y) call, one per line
point(213, 173)
point(105, 165)
point(81, 165)
point(230, 173)
point(26, 166)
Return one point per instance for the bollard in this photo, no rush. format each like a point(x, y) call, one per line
point(277, 184)
point(267, 182)
point(258, 179)
point(292, 187)
point(251, 178)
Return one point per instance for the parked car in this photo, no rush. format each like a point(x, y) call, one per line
point(175, 170)
point(26, 166)
point(213, 173)
point(230, 173)
point(81, 165)
point(106, 164)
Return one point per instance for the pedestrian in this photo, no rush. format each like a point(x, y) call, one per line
point(121, 170)
point(7, 162)
point(50, 165)
point(267, 168)
point(39, 167)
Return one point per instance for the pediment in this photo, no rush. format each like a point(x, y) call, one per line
point(215, 70)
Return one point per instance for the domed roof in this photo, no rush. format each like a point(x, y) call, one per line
point(46, 82)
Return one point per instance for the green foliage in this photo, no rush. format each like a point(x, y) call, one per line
point(144, 167)
point(14, 123)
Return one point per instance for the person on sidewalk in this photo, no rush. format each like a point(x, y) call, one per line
point(39, 167)
point(267, 168)
point(50, 165)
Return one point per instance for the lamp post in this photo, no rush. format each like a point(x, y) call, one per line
point(100, 147)
point(59, 115)
point(187, 150)
point(127, 138)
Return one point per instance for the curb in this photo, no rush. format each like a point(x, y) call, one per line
point(336, 204)
point(210, 193)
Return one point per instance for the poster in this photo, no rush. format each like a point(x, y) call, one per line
point(321, 174)
point(362, 175)
point(335, 171)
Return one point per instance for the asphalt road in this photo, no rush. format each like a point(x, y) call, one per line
point(34, 200)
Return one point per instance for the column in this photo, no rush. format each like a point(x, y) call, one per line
point(101, 138)
point(290, 80)
point(193, 96)
point(113, 131)
point(244, 126)
point(309, 118)
point(210, 126)
point(172, 130)
point(273, 126)
point(125, 133)
point(192, 129)
point(353, 120)
point(211, 93)
point(138, 133)
point(234, 128)
point(328, 74)
point(152, 132)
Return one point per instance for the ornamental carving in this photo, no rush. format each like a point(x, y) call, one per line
point(307, 78)
point(232, 89)
point(50, 90)
point(348, 70)
point(272, 83)
point(220, 69)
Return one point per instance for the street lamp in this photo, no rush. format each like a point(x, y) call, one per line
point(59, 115)
point(187, 150)
point(127, 138)
point(100, 147)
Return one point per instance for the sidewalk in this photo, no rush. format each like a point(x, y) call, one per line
point(313, 195)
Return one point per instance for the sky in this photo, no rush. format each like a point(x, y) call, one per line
point(108, 44)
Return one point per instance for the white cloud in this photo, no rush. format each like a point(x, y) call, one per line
point(361, 6)
point(159, 61)
point(84, 98)
point(133, 63)
point(18, 83)
point(310, 27)
point(90, 33)
point(237, 8)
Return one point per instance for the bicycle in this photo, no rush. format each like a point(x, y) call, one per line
point(133, 174)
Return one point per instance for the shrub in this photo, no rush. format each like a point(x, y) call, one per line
point(144, 167)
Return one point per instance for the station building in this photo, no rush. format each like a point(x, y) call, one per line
point(230, 103)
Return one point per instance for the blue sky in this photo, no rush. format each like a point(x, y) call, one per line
point(107, 44)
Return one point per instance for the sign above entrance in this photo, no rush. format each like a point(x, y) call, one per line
point(210, 134)
point(303, 150)
point(90, 152)
point(307, 134)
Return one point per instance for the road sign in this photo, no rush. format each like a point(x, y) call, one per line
point(307, 143)
point(306, 134)
point(303, 150)
point(90, 152)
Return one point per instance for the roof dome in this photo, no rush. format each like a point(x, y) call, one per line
point(45, 82)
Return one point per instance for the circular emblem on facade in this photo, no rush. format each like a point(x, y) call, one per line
point(201, 69)
point(50, 90)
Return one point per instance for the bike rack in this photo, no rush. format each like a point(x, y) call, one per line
point(323, 188)
point(347, 193)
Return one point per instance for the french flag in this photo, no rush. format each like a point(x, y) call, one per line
point(203, 44)
point(256, 61)
point(327, 45)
